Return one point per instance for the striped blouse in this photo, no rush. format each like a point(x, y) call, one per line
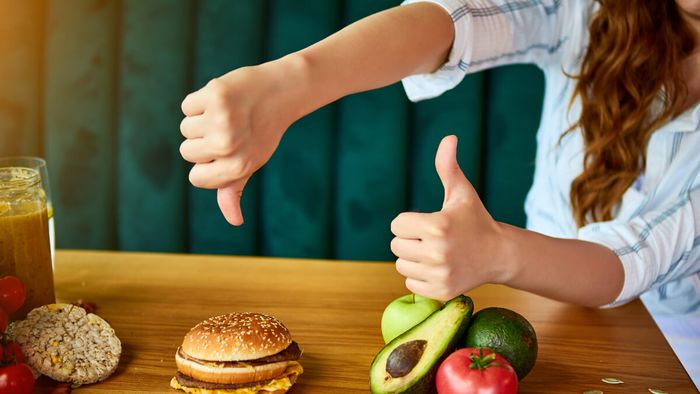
point(656, 228)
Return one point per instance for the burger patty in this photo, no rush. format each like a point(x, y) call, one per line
point(291, 353)
point(190, 382)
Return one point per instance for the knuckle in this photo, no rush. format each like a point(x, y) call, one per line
point(443, 293)
point(433, 293)
point(195, 178)
point(439, 254)
point(398, 222)
point(225, 143)
point(409, 285)
point(446, 250)
point(218, 99)
point(183, 125)
point(213, 83)
point(223, 120)
point(217, 92)
point(443, 275)
point(238, 169)
point(400, 217)
point(436, 257)
point(441, 226)
point(452, 285)
point(184, 103)
point(183, 150)
point(394, 245)
point(394, 225)
point(400, 268)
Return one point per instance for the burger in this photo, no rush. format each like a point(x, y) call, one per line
point(238, 353)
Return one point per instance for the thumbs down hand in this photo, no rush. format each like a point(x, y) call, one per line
point(232, 126)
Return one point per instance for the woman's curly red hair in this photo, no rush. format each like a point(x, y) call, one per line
point(631, 82)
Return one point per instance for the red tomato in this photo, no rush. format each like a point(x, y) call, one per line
point(10, 353)
point(16, 379)
point(12, 293)
point(476, 371)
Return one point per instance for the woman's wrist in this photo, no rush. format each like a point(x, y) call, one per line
point(506, 254)
point(290, 93)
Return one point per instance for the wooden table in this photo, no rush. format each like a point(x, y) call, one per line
point(333, 310)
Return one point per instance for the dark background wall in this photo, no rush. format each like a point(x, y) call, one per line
point(95, 86)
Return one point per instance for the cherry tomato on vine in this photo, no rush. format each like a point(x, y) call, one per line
point(12, 293)
point(476, 371)
point(16, 379)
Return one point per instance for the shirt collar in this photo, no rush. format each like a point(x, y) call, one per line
point(686, 122)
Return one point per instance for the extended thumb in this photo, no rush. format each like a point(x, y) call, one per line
point(456, 185)
point(229, 199)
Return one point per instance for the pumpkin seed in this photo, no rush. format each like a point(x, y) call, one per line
point(592, 392)
point(657, 391)
point(611, 381)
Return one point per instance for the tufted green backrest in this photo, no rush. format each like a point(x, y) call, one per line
point(95, 87)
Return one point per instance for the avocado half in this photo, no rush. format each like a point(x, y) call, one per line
point(408, 363)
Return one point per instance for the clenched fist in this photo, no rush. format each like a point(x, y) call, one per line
point(443, 254)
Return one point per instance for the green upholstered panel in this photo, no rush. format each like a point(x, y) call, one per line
point(458, 112)
point(79, 107)
point(229, 35)
point(153, 71)
point(297, 183)
point(372, 156)
point(20, 69)
point(97, 85)
point(514, 104)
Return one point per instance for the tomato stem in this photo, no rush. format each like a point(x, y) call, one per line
point(482, 362)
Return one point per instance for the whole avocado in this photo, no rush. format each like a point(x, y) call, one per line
point(508, 334)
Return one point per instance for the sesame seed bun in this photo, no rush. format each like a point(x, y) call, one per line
point(237, 336)
point(242, 352)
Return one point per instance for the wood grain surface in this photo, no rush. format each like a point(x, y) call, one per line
point(333, 310)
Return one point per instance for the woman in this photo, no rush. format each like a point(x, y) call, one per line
point(614, 210)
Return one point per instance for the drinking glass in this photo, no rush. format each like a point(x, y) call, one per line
point(25, 250)
point(39, 164)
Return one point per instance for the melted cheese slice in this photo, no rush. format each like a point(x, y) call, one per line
point(284, 382)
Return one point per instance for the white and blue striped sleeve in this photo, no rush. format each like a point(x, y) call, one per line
point(490, 33)
point(656, 247)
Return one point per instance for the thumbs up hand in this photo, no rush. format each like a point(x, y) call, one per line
point(443, 254)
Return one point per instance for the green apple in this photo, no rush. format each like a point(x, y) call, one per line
point(404, 313)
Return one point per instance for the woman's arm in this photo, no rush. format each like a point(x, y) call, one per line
point(233, 124)
point(569, 270)
point(461, 247)
point(375, 52)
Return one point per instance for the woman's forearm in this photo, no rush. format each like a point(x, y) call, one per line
point(461, 247)
point(234, 123)
point(568, 270)
point(374, 52)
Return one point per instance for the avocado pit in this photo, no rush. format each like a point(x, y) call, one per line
point(404, 358)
